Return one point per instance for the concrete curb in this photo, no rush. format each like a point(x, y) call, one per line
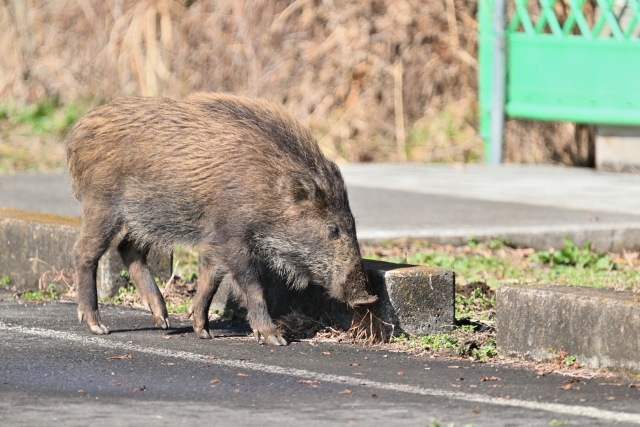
point(601, 328)
point(31, 244)
point(606, 237)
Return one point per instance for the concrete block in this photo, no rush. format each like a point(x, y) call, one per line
point(31, 244)
point(415, 300)
point(618, 148)
point(601, 328)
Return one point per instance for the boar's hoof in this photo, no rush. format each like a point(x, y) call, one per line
point(161, 322)
point(203, 333)
point(98, 329)
point(273, 340)
point(361, 302)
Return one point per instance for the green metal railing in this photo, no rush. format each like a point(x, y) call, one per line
point(548, 60)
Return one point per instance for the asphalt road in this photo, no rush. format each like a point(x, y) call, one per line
point(54, 373)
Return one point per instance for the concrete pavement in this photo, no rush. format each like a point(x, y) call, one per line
point(531, 205)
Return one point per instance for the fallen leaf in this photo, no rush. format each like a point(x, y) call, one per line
point(170, 364)
point(326, 353)
point(611, 398)
point(113, 383)
point(354, 364)
point(573, 380)
point(307, 381)
point(80, 391)
point(240, 374)
point(129, 342)
point(143, 388)
point(460, 379)
point(540, 373)
point(455, 367)
point(611, 384)
point(569, 387)
point(636, 385)
point(400, 373)
point(490, 379)
point(473, 386)
point(373, 395)
point(273, 351)
point(456, 385)
point(474, 411)
point(126, 356)
point(346, 392)
point(166, 337)
point(216, 381)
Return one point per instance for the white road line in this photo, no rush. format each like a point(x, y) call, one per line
point(581, 411)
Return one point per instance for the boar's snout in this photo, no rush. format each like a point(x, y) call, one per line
point(355, 288)
point(363, 302)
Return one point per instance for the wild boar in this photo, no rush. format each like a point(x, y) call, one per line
point(238, 177)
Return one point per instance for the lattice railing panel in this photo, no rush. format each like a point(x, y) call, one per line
point(619, 19)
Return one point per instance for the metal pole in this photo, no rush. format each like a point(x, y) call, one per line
point(499, 81)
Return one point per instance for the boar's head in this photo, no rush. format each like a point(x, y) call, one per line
point(313, 239)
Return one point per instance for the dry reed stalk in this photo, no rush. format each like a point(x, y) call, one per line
point(61, 278)
point(398, 110)
point(367, 328)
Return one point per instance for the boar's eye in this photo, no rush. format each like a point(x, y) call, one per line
point(333, 231)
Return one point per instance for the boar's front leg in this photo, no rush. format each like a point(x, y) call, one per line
point(136, 262)
point(210, 275)
point(248, 289)
point(98, 229)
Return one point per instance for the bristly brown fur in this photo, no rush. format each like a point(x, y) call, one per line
point(237, 176)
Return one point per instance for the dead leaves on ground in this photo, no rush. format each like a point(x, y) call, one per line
point(123, 357)
point(569, 387)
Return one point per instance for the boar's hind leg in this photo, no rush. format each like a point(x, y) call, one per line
point(98, 229)
point(210, 275)
point(136, 262)
point(252, 297)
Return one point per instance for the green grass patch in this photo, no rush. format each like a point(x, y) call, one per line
point(5, 282)
point(463, 341)
point(497, 263)
point(48, 294)
point(125, 293)
point(47, 117)
point(178, 308)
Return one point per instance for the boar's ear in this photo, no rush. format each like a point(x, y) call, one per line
point(303, 189)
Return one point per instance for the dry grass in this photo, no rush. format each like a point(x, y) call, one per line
point(377, 80)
